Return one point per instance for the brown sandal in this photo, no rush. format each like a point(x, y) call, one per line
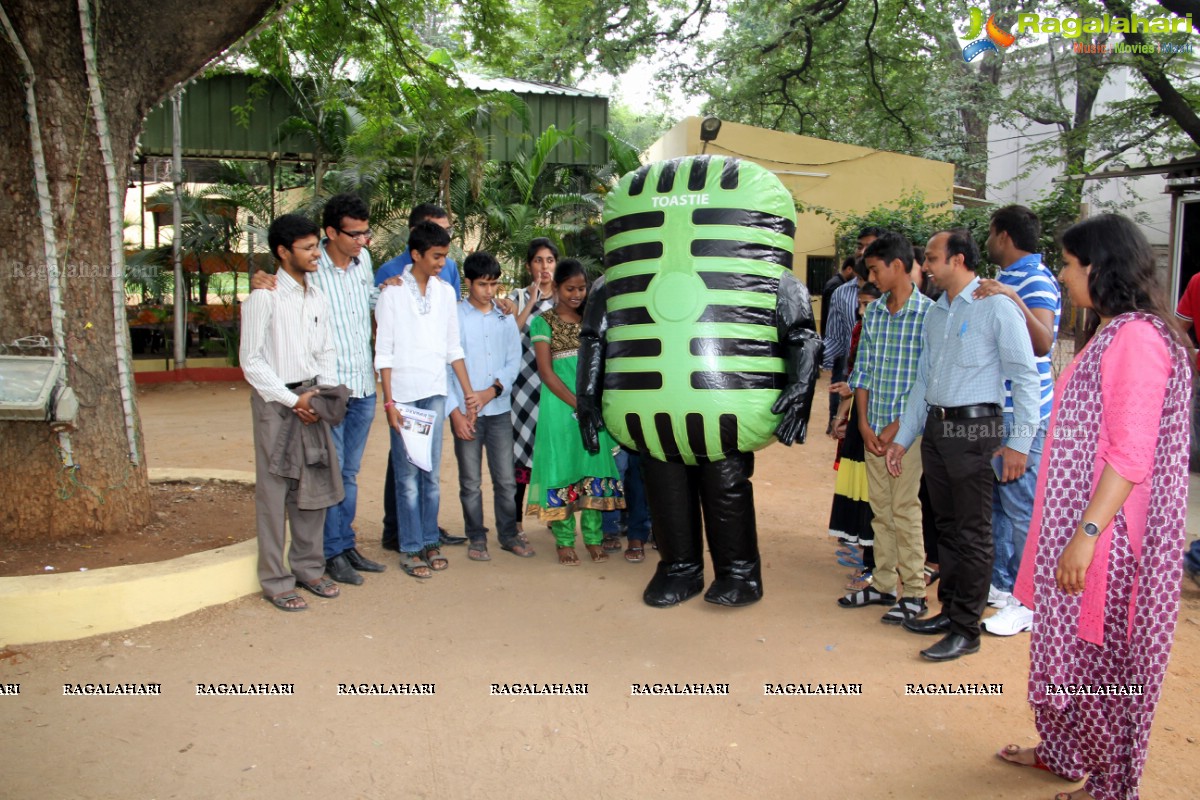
point(596, 551)
point(568, 557)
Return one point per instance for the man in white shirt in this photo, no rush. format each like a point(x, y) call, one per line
point(286, 347)
point(417, 337)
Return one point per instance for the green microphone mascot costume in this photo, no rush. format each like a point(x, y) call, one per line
point(698, 348)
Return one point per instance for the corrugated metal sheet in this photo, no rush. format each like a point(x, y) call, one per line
point(210, 129)
point(587, 113)
point(481, 84)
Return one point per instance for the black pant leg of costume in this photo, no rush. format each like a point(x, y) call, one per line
point(727, 497)
point(673, 494)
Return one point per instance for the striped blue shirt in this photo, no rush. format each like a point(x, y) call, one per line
point(968, 349)
point(889, 349)
point(351, 295)
point(1037, 288)
point(843, 308)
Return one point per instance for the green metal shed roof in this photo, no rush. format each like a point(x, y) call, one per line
point(211, 130)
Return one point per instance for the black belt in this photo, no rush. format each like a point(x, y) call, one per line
point(301, 384)
point(965, 412)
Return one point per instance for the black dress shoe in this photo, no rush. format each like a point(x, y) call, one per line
point(340, 570)
point(361, 562)
point(392, 544)
point(951, 647)
point(936, 625)
point(446, 539)
point(674, 583)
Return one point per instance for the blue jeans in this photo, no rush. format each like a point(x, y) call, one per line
point(417, 491)
point(495, 433)
point(637, 513)
point(349, 439)
point(1191, 559)
point(1012, 511)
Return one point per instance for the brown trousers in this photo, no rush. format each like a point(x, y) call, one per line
point(275, 498)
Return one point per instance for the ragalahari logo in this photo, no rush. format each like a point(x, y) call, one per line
point(997, 38)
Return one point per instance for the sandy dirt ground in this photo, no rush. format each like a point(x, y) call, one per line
point(531, 621)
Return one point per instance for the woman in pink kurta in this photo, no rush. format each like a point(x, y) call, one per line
point(1102, 565)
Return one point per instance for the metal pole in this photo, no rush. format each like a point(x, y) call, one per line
point(142, 202)
point(176, 233)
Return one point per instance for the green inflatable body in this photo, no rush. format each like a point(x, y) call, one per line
point(695, 249)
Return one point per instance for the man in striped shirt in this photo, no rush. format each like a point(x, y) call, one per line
point(1024, 279)
point(885, 369)
point(345, 277)
point(843, 308)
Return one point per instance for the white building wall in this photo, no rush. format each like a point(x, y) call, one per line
point(1010, 149)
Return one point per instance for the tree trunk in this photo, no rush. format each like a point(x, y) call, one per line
point(138, 62)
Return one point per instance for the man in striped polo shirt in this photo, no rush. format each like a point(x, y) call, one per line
point(1023, 278)
point(346, 278)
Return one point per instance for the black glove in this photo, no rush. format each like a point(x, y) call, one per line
point(795, 404)
point(587, 410)
point(589, 377)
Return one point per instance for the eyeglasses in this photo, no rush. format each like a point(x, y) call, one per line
point(358, 236)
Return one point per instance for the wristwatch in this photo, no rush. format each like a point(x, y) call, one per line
point(1090, 529)
point(499, 387)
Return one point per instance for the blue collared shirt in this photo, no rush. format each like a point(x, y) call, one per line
point(969, 348)
point(492, 347)
point(889, 349)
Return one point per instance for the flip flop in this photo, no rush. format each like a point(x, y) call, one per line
point(322, 588)
point(281, 601)
point(611, 544)
point(635, 554)
point(567, 557)
point(1011, 750)
point(597, 553)
point(519, 547)
point(478, 552)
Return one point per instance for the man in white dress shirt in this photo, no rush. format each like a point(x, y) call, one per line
point(286, 351)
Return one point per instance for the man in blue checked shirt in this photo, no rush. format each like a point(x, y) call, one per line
point(345, 277)
point(970, 347)
point(885, 370)
point(492, 347)
point(1024, 279)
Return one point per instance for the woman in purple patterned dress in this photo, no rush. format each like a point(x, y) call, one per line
point(1102, 565)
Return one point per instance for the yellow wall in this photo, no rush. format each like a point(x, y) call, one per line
point(859, 178)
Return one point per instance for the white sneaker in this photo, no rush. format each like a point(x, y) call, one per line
point(998, 598)
point(1014, 618)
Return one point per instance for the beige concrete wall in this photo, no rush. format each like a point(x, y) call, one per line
point(842, 177)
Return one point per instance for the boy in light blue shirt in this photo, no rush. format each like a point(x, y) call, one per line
point(492, 347)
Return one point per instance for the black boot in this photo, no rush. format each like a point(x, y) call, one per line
point(672, 493)
point(740, 584)
point(674, 583)
point(728, 500)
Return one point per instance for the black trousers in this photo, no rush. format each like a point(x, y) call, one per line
point(957, 459)
point(715, 497)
